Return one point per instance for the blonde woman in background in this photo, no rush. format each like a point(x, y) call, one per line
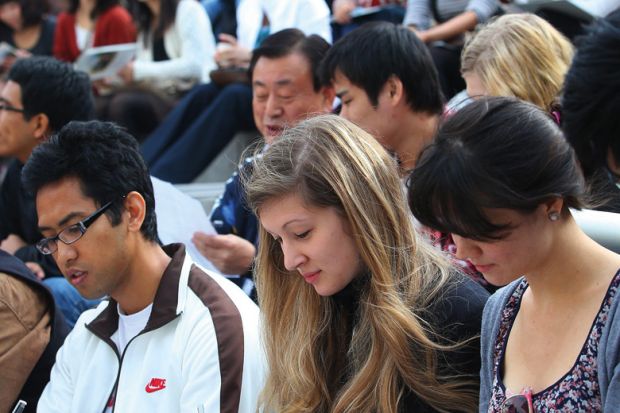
point(519, 55)
point(359, 314)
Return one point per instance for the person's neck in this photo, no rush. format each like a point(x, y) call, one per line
point(575, 267)
point(27, 37)
point(416, 130)
point(155, 8)
point(142, 277)
point(86, 7)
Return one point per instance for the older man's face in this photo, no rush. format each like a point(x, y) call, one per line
point(283, 94)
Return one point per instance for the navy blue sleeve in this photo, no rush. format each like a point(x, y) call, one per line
point(231, 214)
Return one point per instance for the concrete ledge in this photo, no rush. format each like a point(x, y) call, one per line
point(205, 192)
point(227, 161)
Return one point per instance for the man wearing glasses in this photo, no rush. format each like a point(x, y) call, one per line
point(40, 97)
point(171, 337)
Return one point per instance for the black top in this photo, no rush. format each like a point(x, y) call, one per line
point(45, 43)
point(159, 50)
point(455, 316)
point(18, 215)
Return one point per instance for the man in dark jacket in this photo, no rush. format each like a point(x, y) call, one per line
point(32, 331)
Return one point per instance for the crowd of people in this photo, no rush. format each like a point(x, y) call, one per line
point(406, 220)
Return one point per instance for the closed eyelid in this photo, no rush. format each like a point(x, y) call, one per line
point(303, 234)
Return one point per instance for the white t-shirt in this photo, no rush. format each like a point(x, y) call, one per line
point(83, 38)
point(128, 327)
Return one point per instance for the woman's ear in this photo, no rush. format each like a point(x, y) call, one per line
point(553, 208)
point(135, 207)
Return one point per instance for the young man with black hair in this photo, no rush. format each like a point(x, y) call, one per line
point(590, 106)
point(40, 97)
point(286, 88)
point(387, 83)
point(171, 337)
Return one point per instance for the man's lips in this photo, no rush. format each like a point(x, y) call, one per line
point(274, 130)
point(483, 267)
point(76, 277)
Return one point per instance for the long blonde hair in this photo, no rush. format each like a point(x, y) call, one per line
point(329, 162)
point(519, 55)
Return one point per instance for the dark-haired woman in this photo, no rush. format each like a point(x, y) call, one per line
point(501, 177)
point(91, 23)
point(25, 26)
point(175, 52)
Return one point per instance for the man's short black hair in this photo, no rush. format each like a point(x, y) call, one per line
point(372, 53)
point(104, 158)
point(53, 88)
point(289, 41)
point(591, 97)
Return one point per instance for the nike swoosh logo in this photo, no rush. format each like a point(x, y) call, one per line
point(151, 389)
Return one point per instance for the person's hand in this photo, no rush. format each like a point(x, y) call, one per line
point(36, 269)
point(22, 54)
point(421, 34)
point(12, 243)
point(126, 73)
point(229, 53)
point(229, 253)
point(341, 9)
point(10, 59)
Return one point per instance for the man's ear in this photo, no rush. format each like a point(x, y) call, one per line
point(394, 90)
point(41, 126)
point(135, 208)
point(329, 94)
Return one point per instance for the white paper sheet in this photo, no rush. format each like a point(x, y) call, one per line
point(178, 217)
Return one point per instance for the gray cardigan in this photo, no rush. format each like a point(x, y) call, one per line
point(608, 355)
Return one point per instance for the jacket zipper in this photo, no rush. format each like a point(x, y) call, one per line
point(118, 374)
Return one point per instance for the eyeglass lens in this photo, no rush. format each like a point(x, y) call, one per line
point(516, 404)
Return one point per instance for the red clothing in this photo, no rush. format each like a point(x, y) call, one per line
point(373, 3)
point(113, 26)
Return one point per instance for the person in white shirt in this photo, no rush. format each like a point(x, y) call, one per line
point(171, 336)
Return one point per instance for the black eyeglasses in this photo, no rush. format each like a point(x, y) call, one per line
point(70, 234)
point(7, 107)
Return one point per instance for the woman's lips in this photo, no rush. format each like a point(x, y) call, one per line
point(311, 277)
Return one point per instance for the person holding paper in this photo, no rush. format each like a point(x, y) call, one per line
point(26, 27)
point(286, 89)
point(91, 23)
point(175, 52)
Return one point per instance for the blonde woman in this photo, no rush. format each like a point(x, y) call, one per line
point(519, 55)
point(360, 314)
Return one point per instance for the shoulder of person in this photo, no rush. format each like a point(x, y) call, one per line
point(498, 299)
point(90, 314)
point(190, 8)
point(460, 297)
point(216, 294)
point(117, 14)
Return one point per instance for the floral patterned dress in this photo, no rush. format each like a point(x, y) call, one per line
point(578, 390)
